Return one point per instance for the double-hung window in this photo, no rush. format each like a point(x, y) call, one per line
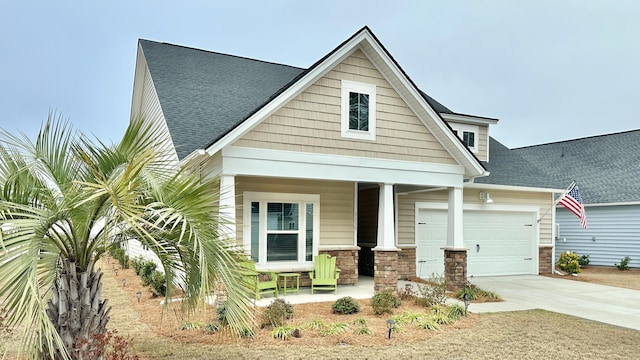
point(281, 229)
point(358, 110)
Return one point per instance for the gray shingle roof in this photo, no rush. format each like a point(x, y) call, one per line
point(605, 167)
point(507, 167)
point(204, 95)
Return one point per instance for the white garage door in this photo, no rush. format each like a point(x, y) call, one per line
point(498, 242)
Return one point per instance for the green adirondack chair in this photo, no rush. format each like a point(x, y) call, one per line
point(262, 281)
point(325, 274)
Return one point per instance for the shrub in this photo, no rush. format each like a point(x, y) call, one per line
point(158, 283)
point(476, 293)
point(569, 262)
point(277, 313)
point(384, 301)
point(624, 263)
point(190, 325)
point(212, 328)
point(345, 305)
point(584, 260)
point(137, 264)
point(282, 332)
point(456, 311)
point(408, 293)
point(119, 254)
point(146, 271)
point(433, 292)
point(333, 329)
point(108, 346)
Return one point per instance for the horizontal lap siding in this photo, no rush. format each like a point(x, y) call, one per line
point(336, 204)
point(616, 230)
point(311, 121)
point(406, 209)
point(483, 144)
point(151, 111)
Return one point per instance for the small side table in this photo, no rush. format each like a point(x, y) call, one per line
point(291, 286)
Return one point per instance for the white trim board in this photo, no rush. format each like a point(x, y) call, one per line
point(277, 163)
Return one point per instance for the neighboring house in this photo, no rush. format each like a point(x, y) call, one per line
point(348, 157)
point(606, 169)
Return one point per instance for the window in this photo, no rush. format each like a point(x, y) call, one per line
point(468, 134)
point(358, 110)
point(468, 138)
point(283, 228)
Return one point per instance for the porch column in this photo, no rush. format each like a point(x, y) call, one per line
point(386, 221)
point(385, 257)
point(454, 220)
point(455, 254)
point(227, 225)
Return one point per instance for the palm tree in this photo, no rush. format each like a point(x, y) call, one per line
point(66, 200)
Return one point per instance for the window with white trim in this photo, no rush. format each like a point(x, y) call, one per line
point(281, 229)
point(358, 110)
point(468, 134)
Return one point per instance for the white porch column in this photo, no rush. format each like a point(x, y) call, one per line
point(455, 241)
point(227, 226)
point(386, 226)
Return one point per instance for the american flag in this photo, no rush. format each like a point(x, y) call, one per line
point(573, 202)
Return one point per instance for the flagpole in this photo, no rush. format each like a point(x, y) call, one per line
point(555, 202)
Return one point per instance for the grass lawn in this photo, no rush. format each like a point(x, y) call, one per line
point(534, 334)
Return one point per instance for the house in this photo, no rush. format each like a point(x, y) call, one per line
point(348, 157)
point(606, 170)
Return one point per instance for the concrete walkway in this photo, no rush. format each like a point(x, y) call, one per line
point(607, 304)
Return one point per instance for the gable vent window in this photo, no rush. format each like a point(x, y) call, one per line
point(358, 110)
point(468, 138)
point(468, 134)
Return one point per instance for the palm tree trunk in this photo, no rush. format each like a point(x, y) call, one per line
point(78, 312)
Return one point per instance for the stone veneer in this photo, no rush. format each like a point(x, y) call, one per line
point(455, 269)
point(346, 261)
point(545, 257)
point(385, 270)
point(407, 263)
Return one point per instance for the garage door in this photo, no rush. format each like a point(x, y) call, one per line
point(498, 242)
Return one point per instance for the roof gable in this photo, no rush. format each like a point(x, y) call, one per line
point(605, 167)
point(204, 95)
point(205, 102)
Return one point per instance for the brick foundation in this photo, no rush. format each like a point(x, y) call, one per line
point(455, 269)
point(407, 263)
point(346, 261)
point(385, 270)
point(545, 256)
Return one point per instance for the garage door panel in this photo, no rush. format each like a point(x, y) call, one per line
point(506, 241)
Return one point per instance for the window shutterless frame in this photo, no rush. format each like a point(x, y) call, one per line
point(358, 110)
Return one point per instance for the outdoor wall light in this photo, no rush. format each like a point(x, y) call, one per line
point(485, 197)
point(390, 325)
point(138, 295)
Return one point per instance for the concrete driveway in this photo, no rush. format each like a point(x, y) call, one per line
point(607, 304)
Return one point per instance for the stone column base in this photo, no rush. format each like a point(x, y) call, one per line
point(407, 263)
point(385, 270)
point(347, 262)
point(545, 256)
point(455, 269)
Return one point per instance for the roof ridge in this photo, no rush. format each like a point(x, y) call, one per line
point(223, 54)
point(576, 139)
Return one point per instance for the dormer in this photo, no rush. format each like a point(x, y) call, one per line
point(473, 131)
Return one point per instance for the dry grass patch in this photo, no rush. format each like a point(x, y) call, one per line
point(629, 279)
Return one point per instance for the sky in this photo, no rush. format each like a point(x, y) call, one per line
point(548, 70)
